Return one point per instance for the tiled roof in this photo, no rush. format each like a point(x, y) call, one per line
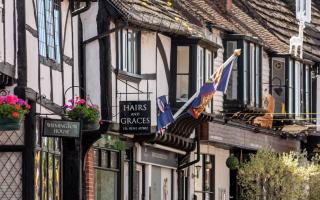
point(235, 21)
point(157, 15)
point(279, 18)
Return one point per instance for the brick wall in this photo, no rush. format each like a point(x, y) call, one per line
point(89, 175)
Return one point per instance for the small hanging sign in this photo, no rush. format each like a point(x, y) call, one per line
point(135, 117)
point(60, 128)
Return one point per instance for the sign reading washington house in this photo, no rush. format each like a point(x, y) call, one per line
point(60, 128)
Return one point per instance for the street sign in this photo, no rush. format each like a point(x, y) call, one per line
point(135, 117)
point(60, 128)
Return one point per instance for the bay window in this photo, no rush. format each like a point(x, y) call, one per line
point(127, 51)
point(245, 81)
point(182, 86)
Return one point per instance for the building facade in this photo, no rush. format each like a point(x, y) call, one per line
point(120, 53)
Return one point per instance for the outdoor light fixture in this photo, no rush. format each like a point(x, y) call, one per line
point(208, 165)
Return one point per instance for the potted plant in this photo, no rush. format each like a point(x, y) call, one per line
point(232, 162)
point(12, 112)
point(80, 110)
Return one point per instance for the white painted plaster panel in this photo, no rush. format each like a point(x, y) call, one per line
point(57, 87)
point(45, 81)
point(9, 28)
point(93, 72)
point(148, 52)
point(218, 98)
point(89, 21)
point(32, 62)
point(68, 81)
point(265, 71)
point(30, 10)
point(75, 52)
point(66, 28)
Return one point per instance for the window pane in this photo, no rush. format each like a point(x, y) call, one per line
point(252, 75)
point(182, 60)
point(57, 178)
point(232, 90)
point(37, 168)
point(307, 92)
point(245, 73)
point(124, 50)
point(57, 32)
point(113, 160)
point(50, 29)
point(291, 94)
point(50, 176)
point(278, 81)
point(44, 168)
point(104, 159)
point(258, 77)
point(200, 68)
point(41, 28)
point(105, 185)
point(182, 88)
point(130, 52)
point(297, 89)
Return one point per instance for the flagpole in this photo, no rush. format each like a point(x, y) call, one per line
point(235, 54)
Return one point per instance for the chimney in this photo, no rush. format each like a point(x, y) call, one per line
point(228, 5)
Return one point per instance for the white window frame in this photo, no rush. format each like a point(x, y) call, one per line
point(200, 67)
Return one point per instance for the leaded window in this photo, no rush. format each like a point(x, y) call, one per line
point(127, 51)
point(47, 167)
point(49, 15)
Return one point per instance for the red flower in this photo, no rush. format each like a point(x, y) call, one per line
point(17, 107)
point(15, 115)
point(28, 106)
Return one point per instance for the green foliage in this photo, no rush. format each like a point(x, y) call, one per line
point(272, 176)
point(13, 108)
point(232, 162)
point(82, 112)
point(112, 143)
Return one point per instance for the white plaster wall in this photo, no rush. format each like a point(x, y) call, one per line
point(75, 54)
point(9, 40)
point(45, 80)
point(57, 87)
point(113, 75)
point(32, 63)
point(162, 86)
point(218, 98)
point(92, 54)
point(148, 52)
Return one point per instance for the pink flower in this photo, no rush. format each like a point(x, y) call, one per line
point(11, 99)
point(1, 99)
point(22, 102)
point(71, 101)
point(82, 102)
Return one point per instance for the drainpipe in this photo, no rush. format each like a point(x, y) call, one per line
point(198, 155)
point(81, 10)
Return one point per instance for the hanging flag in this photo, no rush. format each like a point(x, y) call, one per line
point(165, 116)
point(218, 81)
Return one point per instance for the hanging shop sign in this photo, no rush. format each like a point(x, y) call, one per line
point(158, 156)
point(60, 128)
point(135, 117)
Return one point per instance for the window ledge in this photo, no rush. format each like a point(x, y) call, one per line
point(136, 78)
point(50, 63)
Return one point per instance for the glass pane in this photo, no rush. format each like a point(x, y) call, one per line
point(290, 87)
point(57, 32)
point(44, 142)
point(51, 144)
point(182, 88)
point(252, 74)
point(200, 68)
point(57, 178)
point(57, 144)
point(119, 47)
point(105, 185)
point(130, 45)
point(182, 60)
point(245, 74)
point(258, 81)
point(44, 176)
point(37, 168)
point(233, 82)
point(104, 158)
point(50, 176)
point(96, 157)
point(124, 50)
point(41, 28)
point(114, 160)
point(297, 89)
point(50, 28)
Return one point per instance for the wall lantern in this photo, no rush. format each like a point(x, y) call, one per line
point(198, 167)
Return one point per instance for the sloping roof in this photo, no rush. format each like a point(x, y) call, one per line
point(235, 21)
point(278, 17)
point(157, 15)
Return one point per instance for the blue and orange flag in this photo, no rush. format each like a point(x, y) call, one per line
point(165, 116)
point(218, 82)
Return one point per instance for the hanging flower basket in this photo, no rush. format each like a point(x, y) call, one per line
point(12, 112)
point(78, 109)
point(232, 162)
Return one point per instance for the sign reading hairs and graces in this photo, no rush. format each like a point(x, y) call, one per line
point(135, 117)
point(60, 128)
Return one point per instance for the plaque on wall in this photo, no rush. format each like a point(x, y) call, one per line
point(60, 128)
point(135, 117)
